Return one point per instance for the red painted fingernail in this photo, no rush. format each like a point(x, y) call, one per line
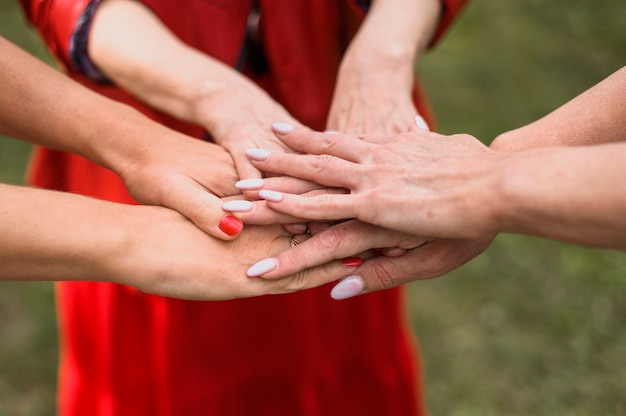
point(352, 261)
point(231, 225)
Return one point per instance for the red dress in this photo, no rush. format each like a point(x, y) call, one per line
point(128, 353)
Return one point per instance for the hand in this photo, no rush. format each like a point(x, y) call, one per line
point(416, 258)
point(238, 118)
point(349, 241)
point(368, 104)
point(427, 261)
point(419, 182)
point(165, 254)
point(186, 175)
point(373, 94)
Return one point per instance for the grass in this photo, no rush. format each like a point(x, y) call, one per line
point(529, 327)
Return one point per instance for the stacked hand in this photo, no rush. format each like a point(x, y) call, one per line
point(392, 194)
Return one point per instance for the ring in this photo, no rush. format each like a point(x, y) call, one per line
point(294, 242)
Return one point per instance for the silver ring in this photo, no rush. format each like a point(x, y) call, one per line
point(294, 242)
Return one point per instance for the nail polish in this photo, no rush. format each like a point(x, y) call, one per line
point(230, 225)
point(282, 127)
point(421, 123)
point(271, 196)
point(258, 154)
point(331, 132)
point(347, 288)
point(352, 261)
point(250, 184)
point(238, 206)
point(262, 267)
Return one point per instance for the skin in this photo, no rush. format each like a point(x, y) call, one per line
point(375, 81)
point(140, 54)
point(453, 187)
point(48, 235)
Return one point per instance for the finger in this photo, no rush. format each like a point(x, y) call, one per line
point(252, 186)
point(322, 169)
point(346, 241)
point(257, 212)
point(427, 261)
point(245, 168)
point(203, 209)
point(324, 206)
point(329, 143)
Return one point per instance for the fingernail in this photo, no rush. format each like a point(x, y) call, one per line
point(271, 196)
point(394, 251)
point(262, 267)
point(258, 154)
point(421, 123)
point(301, 227)
point(238, 206)
point(347, 288)
point(230, 225)
point(331, 132)
point(249, 184)
point(282, 127)
point(352, 261)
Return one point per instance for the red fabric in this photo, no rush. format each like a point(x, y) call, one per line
point(127, 353)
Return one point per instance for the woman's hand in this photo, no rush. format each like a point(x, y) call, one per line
point(139, 53)
point(163, 253)
point(373, 94)
point(418, 182)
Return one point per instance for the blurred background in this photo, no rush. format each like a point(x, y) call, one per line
point(529, 327)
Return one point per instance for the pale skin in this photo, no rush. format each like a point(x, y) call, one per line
point(47, 235)
point(135, 50)
point(563, 187)
point(374, 84)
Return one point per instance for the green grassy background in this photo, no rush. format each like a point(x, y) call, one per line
point(531, 326)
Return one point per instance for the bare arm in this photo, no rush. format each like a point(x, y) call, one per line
point(48, 235)
point(140, 54)
point(598, 115)
point(158, 165)
point(375, 81)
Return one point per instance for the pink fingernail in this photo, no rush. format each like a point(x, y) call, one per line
point(250, 184)
point(238, 206)
point(421, 123)
point(271, 196)
point(262, 267)
point(258, 154)
point(349, 287)
point(282, 127)
point(331, 132)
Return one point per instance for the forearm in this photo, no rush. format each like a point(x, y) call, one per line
point(48, 235)
point(563, 193)
point(394, 34)
point(140, 54)
point(43, 106)
point(596, 116)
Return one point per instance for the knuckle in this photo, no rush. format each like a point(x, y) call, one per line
point(330, 239)
point(385, 277)
point(320, 162)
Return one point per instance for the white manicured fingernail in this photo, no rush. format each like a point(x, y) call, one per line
point(421, 123)
point(331, 132)
point(349, 287)
point(271, 196)
point(238, 206)
point(262, 267)
point(282, 127)
point(249, 184)
point(258, 154)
